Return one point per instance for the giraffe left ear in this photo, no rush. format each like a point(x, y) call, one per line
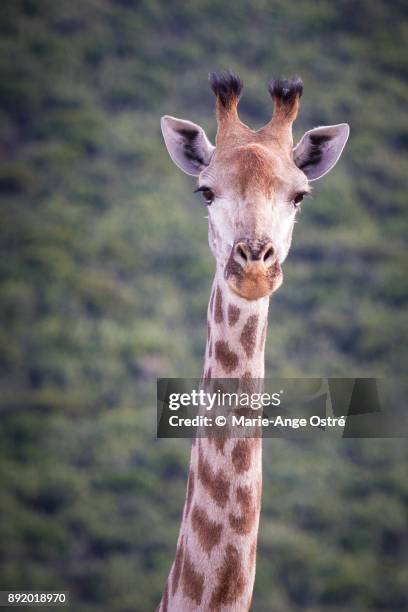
point(320, 149)
point(187, 144)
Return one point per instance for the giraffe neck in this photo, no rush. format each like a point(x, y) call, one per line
point(236, 332)
point(214, 567)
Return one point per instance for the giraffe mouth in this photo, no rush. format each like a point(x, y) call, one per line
point(256, 281)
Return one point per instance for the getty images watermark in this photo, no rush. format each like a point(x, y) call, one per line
point(347, 407)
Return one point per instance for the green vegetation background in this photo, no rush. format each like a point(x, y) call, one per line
point(105, 275)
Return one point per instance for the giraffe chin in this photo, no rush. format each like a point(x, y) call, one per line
point(255, 285)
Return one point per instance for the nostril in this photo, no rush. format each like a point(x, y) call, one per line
point(269, 254)
point(241, 253)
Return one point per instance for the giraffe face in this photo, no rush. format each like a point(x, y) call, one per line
point(253, 194)
point(253, 182)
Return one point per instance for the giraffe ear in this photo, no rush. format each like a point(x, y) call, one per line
point(187, 144)
point(320, 149)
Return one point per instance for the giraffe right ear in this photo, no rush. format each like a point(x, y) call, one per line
point(187, 144)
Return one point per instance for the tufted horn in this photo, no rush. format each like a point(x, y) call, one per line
point(227, 87)
point(286, 95)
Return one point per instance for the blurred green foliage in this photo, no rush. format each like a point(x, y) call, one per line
point(105, 274)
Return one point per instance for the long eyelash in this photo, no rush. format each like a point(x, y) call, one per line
point(305, 194)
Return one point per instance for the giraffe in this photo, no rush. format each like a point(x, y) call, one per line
point(252, 183)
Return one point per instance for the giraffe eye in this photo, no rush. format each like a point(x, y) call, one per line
point(297, 200)
point(208, 194)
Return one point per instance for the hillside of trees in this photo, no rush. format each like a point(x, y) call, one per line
point(105, 274)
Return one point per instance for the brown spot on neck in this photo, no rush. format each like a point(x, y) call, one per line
point(248, 335)
point(217, 484)
point(243, 523)
point(242, 455)
point(216, 438)
point(227, 358)
point(208, 531)
point(193, 581)
point(231, 580)
point(249, 384)
point(233, 314)
point(218, 313)
point(219, 442)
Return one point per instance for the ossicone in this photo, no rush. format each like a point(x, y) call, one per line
point(227, 87)
point(286, 91)
point(286, 94)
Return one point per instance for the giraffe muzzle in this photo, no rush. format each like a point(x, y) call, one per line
point(253, 270)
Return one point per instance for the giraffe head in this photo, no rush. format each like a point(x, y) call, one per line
point(253, 181)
